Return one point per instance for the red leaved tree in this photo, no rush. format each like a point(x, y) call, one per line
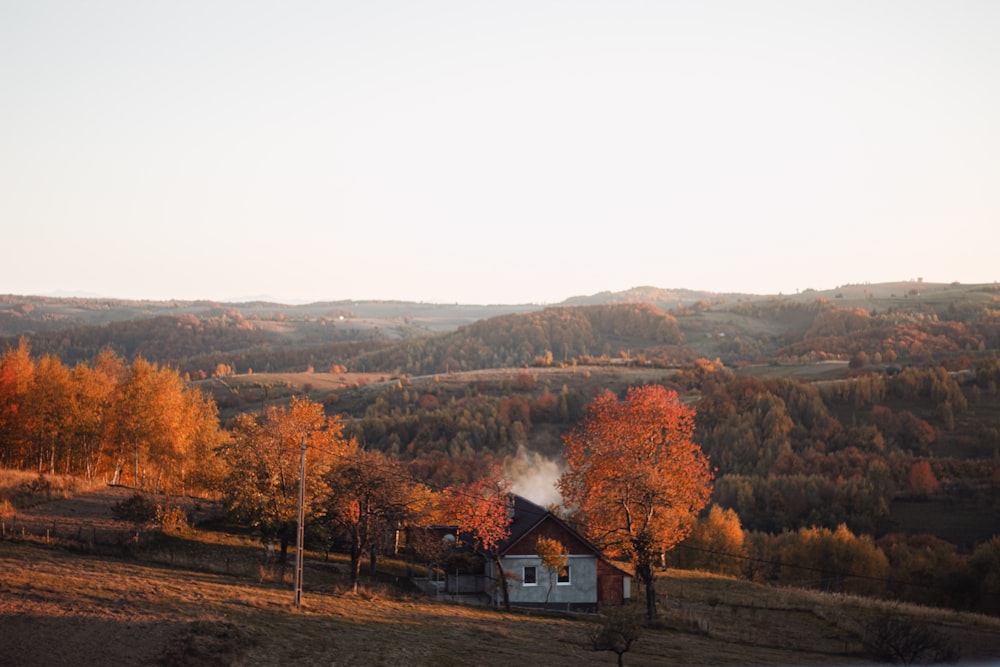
point(634, 478)
point(480, 511)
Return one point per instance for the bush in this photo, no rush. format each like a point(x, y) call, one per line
point(171, 518)
point(137, 509)
point(38, 490)
point(891, 638)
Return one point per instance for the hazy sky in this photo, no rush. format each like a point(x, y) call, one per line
point(495, 152)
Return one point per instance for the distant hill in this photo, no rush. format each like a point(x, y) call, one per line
point(907, 320)
point(553, 335)
point(664, 299)
point(395, 319)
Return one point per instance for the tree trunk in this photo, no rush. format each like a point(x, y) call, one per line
point(504, 591)
point(283, 558)
point(646, 574)
point(355, 559)
point(644, 555)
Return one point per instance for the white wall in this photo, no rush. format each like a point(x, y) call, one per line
point(581, 589)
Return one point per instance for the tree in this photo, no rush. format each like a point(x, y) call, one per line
point(634, 478)
point(834, 560)
point(17, 371)
point(94, 388)
point(481, 511)
point(985, 564)
point(153, 421)
point(201, 468)
point(922, 480)
point(615, 630)
point(142, 417)
point(716, 543)
point(50, 411)
point(261, 487)
point(890, 637)
point(554, 557)
point(368, 496)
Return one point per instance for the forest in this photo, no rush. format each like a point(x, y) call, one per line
point(884, 477)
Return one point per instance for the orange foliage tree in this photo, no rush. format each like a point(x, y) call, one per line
point(634, 478)
point(263, 456)
point(480, 511)
point(922, 480)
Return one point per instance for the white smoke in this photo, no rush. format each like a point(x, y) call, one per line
point(534, 477)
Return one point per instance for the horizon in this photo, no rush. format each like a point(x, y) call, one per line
point(67, 294)
point(503, 154)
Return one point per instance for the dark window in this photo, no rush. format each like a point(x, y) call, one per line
point(530, 576)
point(563, 576)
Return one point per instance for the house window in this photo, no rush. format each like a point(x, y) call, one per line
point(564, 577)
point(530, 577)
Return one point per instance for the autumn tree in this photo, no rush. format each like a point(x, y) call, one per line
point(133, 419)
point(922, 480)
point(94, 386)
point(834, 560)
point(368, 497)
point(480, 510)
point(49, 410)
point(263, 453)
point(634, 478)
point(152, 422)
point(17, 371)
point(554, 557)
point(201, 468)
point(716, 544)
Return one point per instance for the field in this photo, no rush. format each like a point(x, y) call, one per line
point(183, 600)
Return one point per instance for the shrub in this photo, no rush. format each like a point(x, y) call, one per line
point(890, 638)
point(171, 518)
point(29, 493)
point(137, 509)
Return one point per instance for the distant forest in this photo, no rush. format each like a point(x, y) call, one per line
point(903, 329)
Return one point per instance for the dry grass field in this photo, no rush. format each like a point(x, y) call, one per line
point(183, 601)
point(61, 608)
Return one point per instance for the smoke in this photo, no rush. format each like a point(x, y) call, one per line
point(534, 477)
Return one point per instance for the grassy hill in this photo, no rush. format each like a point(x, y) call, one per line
point(196, 598)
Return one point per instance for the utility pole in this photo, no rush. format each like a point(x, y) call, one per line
point(299, 545)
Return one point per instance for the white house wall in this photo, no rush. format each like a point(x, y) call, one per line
point(582, 588)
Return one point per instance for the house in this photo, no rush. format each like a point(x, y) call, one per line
point(588, 582)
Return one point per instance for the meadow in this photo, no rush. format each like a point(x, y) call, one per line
point(202, 596)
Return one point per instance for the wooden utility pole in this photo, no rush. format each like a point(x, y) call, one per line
point(300, 542)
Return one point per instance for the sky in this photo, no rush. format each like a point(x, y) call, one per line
point(495, 152)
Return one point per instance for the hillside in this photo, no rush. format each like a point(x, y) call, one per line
point(197, 598)
point(905, 321)
point(822, 402)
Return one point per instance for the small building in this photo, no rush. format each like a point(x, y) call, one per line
point(589, 581)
